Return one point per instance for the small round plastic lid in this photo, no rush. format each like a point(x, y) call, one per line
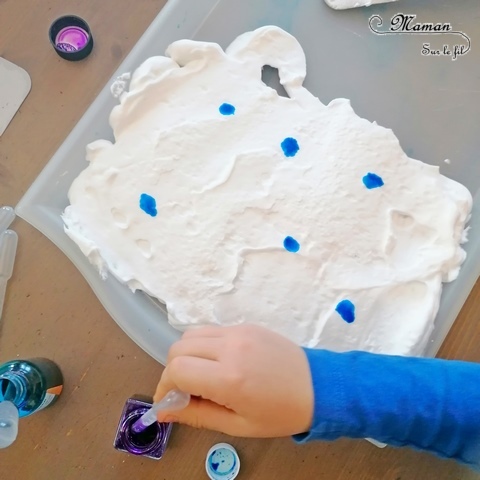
point(71, 37)
point(8, 424)
point(222, 463)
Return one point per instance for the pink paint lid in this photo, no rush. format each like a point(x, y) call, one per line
point(71, 37)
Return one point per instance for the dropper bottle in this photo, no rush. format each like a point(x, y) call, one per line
point(31, 385)
point(26, 387)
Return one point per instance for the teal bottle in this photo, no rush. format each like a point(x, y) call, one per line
point(30, 385)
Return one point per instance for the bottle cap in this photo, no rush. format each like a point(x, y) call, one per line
point(8, 424)
point(222, 463)
point(71, 37)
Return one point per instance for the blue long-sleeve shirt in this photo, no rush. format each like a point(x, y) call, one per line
point(428, 404)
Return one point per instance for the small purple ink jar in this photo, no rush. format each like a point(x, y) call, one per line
point(150, 443)
point(71, 37)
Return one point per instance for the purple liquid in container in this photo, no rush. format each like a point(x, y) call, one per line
point(71, 39)
point(151, 442)
point(138, 427)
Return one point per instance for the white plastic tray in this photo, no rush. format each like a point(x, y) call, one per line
point(431, 104)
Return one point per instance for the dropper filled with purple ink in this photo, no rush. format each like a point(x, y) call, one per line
point(173, 400)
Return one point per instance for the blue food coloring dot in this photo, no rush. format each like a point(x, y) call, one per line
point(346, 309)
point(371, 180)
point(226, 109)
point(290, 147)
point(291, 245)
point(148, 204)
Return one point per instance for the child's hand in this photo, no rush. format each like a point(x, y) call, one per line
point(244, 381)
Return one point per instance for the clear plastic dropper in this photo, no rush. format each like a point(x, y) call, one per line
point(7, 215)
point(173, 400)
point(8, 424)
point(8, 249)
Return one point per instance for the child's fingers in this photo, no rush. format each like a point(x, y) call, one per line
point(208, 331)
point(197, 376)
point(202, 413)
point(202, 347)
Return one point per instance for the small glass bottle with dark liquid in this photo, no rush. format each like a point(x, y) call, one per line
point(152, 442)
point(31, 385)
point(26, 387)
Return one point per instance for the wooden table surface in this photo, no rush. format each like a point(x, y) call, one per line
point(50, 310)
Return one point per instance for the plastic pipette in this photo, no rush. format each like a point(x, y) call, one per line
point(8, 249)
point(7, 215)
point(173, 400)
point(8, 423)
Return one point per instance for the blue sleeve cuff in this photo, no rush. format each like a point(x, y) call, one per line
point(427, 404)
point(331, 398)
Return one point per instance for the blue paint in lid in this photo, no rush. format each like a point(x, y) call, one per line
point(222, 462)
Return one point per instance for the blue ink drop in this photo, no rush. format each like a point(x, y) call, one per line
point(290, 147)
point(346, 309)
point(148, 204)
point(370, 180)
point(291, 245)
point(226, 109)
